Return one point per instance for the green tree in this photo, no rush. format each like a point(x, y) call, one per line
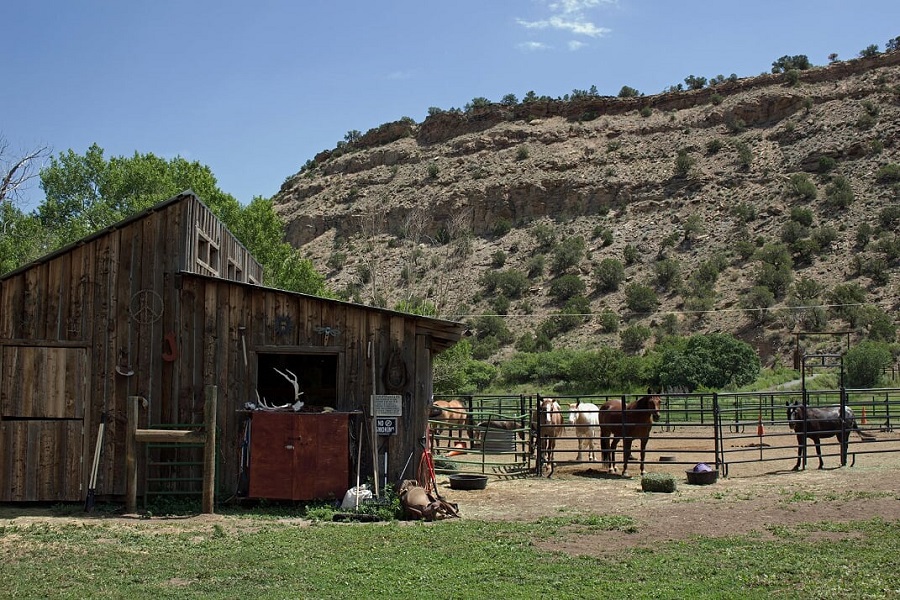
point(711, 361)
point(85, 193)
point(695, 83)
point(456, 372)
point(628, 92)
point(865, 363)
point(869, 51)
point(786, 63)
point(479, 102)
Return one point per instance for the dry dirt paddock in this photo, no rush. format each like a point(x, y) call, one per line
point(754, 495)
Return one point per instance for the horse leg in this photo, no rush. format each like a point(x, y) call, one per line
point(590, 442)
point(643, 450)
point(550, 448)
point(818, 442)
point(626, 454)
point(580, 444)
point(845, 443)
point(801, 446)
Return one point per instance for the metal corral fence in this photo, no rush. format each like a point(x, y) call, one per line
point(721, 429)
point(490, 434)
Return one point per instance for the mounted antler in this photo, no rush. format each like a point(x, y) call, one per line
point(292, 379)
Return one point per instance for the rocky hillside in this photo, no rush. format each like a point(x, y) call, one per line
point(512, 209)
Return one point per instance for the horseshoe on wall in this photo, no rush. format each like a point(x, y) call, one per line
point(170, 353)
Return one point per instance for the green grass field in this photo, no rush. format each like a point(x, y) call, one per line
point(259, 557)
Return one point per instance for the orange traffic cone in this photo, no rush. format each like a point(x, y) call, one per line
point(760, 431)
point(863, 420)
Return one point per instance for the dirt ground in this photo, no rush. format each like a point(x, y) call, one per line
point(753, 497)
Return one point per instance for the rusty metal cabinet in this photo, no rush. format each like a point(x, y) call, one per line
point(299, 456)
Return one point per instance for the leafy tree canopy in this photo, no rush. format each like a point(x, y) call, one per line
point(85, 193)
point(711, 361)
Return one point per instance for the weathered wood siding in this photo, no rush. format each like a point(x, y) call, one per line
point(215, 314)
point(146, 308)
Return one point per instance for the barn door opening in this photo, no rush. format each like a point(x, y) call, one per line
point(316, 374)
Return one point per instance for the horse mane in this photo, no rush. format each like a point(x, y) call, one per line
point(643, 402)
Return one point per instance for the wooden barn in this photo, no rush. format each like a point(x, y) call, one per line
point(167, 303)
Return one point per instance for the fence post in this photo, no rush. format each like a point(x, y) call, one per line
point(209, 450)
point(131, 416)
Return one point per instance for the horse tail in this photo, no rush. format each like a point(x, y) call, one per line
point(865, 435)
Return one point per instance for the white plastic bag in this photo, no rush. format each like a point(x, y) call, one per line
point(355, 496)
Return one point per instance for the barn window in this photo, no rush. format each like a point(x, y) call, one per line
point(317, 376)
point(235, 273)
point(207, 254)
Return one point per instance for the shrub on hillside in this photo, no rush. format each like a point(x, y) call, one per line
point(640, 298)
point(608, 275)
point(888, 173)
point(800, 186)
point(633, 338)
point(566, 286)
point(839, 193)
point(568, 254)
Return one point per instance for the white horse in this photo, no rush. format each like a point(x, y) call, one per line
point(585, 417)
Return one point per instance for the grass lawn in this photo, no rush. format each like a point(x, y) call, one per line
point(263, 557)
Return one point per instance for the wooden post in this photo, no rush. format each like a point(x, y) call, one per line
point(131, 412)
point(209, 450)
point(135, 436)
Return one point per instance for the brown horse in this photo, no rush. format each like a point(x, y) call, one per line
point(631, 422)
point(548, 424)
point(452, 415)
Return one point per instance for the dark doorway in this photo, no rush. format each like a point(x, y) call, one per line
point(316, 375)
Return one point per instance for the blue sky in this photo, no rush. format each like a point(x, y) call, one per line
point(255, 89)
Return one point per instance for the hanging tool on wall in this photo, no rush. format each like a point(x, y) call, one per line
point(92, 486)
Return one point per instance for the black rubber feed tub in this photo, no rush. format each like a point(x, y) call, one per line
point(702, 477)
point(468, 482)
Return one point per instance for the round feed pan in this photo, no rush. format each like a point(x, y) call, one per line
point(702, 477)
point(468, 482)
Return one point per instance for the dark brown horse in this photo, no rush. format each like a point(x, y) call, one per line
point(631, 422)
point(816, 423)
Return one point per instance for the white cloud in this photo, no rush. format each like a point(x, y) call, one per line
point(576, 6)
point(533, 46)
point(576, 45)
point(570, 16)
